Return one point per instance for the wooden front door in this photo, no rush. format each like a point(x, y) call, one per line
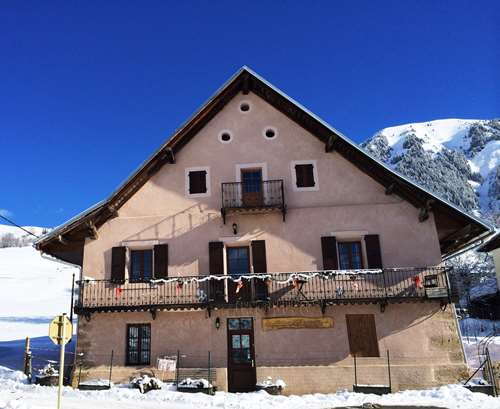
point(251, 188)
point(241, 370)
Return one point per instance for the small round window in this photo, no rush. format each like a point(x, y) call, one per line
point(225, 137)
point(244, 106)
point(270, 133)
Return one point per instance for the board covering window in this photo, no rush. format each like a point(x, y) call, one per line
point(197, 182)
point(362, 335)
point(350, 255)
point(141, 265)
point(305, 175)
point(138, 344)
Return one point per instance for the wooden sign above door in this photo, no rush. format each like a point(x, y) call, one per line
point(269, 324)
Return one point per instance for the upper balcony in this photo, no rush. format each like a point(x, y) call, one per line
point(277, 289)
point(253, 196)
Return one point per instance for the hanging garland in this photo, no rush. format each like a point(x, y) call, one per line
point(294, 279)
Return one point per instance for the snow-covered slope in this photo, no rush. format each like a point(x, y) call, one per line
point(33, 290)
point(456, 158)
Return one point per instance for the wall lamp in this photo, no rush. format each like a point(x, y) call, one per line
point(217, 323)
point(235, 228)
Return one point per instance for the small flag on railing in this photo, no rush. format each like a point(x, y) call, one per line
point(118, 291)
point(418, 282)
point(179, 285)
point(239, 286)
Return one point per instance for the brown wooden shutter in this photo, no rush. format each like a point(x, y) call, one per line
point(160, 261)
point(216, 266)
point(259, 266)
point(197, 181)
point(329, 250)
point(216, 257)
point(118, 264)
point(373, 254)
point(259, 256)
point(304, 175)
point(362, 335)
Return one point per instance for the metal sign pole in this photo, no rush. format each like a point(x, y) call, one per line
point(62, 340)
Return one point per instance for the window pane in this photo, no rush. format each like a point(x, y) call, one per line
point(234, 323)
point(136, 265)
point(235, 341)
point(245, 341)
point(344, 256)
point(252, 181)
point(245, 355)
point(238, 261)
point(356, 256)
point(148, 264)
point(246, 323)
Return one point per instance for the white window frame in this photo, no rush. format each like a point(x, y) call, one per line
point(240, 166)
point(294, 175)
point(186, 181)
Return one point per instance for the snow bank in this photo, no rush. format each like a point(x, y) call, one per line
point(15, 393)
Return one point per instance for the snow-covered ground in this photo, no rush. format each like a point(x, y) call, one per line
point(15, 393)
point(33, 290)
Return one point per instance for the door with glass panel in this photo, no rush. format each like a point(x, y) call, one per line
point(251, 186)
point(241, 369)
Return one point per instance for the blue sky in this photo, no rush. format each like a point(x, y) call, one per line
point(89, 89)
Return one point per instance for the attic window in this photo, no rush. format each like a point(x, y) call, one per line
point(270, 133)
point(304, 175)
point(197, 182)
point(244, 107)
point(225, 136)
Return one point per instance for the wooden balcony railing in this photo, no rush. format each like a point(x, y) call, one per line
point(268, 195)
point(280, 289)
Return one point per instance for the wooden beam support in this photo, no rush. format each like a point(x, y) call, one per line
point(330, 143)
point(424, 211)
point(61, 239)
point(170, 156)
point(92, 230)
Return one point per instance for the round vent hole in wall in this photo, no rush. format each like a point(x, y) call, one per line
point(225, 137)
point(270, 133)
point(244, 107)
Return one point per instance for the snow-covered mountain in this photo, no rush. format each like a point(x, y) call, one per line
point(458, 159)
point(33, 289)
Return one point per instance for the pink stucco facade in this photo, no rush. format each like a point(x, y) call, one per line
point(346, 203)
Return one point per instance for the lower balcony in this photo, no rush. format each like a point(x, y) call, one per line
point(266, 290)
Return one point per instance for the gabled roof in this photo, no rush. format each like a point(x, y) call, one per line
point(456, 229)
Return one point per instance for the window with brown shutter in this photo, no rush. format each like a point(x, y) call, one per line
point(362, 335)
point(305, 175)
point(197, 182)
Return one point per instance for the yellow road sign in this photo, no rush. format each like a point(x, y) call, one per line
point(60, 330)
